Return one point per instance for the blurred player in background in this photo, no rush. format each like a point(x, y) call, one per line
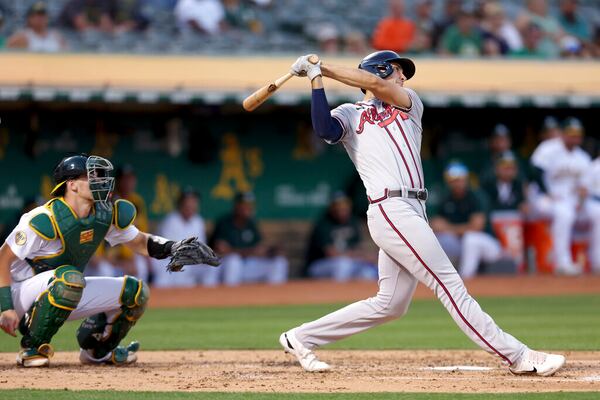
point(591, 183)
point(461, 225)
point(120, 260)
point(562, 163)
point(333, 250)
point(178, 225)
point(239, 241)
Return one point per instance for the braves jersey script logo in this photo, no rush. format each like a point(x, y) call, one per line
point(383, 119)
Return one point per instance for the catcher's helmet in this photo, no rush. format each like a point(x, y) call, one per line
point(70, 167)
point(380, 64)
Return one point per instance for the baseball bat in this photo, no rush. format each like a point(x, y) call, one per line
point(253, 101)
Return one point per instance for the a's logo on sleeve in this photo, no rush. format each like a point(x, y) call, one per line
point(20, 238)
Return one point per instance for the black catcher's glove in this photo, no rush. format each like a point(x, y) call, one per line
point(191, 251)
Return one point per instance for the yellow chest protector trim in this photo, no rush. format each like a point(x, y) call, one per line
point(42, 225)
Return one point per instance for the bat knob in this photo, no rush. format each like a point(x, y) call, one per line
point(313, 58)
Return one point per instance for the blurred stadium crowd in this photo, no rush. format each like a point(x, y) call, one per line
point(452, 28)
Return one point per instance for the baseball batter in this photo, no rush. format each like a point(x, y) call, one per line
point(382, 135)
point(43, 259)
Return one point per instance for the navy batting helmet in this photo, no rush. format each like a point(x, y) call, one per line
point(380, 64)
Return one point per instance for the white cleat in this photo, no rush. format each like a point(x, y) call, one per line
point(538, 363)
point(308, 360)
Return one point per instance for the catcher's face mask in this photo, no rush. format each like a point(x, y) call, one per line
point(99, 179)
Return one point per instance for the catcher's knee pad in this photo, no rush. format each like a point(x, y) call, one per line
point(134, 297)
point(52, 307)
point(102, 333)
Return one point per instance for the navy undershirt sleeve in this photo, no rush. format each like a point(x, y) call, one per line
point(324, 125)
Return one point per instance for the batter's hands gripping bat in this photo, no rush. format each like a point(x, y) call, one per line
point(253, 101)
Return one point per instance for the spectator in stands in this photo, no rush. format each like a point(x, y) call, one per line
point(425, 28)
point(537, 13)
point(88, 15)
point(451, 10)
point(591, 183)
point(464, 37)
point(532, 44)
point(394, 32)
point(128, 16)
point(561, 162)
point(460, 224)
point(180, 224)
point(2, 40)
point(36, 36)
point(355, 42)
point(239, 15)
point(245, 258)
point(596, 43)
point(573, 23)
point(202, 16)
point(333, 250)
point(571, 47)
point(328, 38)
point(500, 35)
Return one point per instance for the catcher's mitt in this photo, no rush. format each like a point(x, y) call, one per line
point(191, 251)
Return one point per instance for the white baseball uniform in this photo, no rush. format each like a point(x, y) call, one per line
point(591, 181)
point(384, 144)
point(563, 170)
point(101, 294)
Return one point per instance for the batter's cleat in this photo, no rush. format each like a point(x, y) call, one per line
point(32, 358)
point(308, 360)
point(537, 363)
point(121, 355)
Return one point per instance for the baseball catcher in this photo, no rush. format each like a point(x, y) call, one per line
point(42, 262)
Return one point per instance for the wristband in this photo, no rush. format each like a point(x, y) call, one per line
point(6, 302)
point(158, 247)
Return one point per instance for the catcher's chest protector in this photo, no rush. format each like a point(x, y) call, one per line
point(80, 237)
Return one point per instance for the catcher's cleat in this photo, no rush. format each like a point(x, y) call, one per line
point(537, 363)
point(308, 360)
point(121, 355)
point(32, 357)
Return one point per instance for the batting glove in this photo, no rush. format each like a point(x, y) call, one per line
point(298, 68)
point(303, 67)
point(313, 70)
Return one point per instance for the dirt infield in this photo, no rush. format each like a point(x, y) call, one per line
point(320, 292)
point(354, 371)
point(273, 371)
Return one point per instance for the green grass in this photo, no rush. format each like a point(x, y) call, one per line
point(566, 322)
point(97, 395)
